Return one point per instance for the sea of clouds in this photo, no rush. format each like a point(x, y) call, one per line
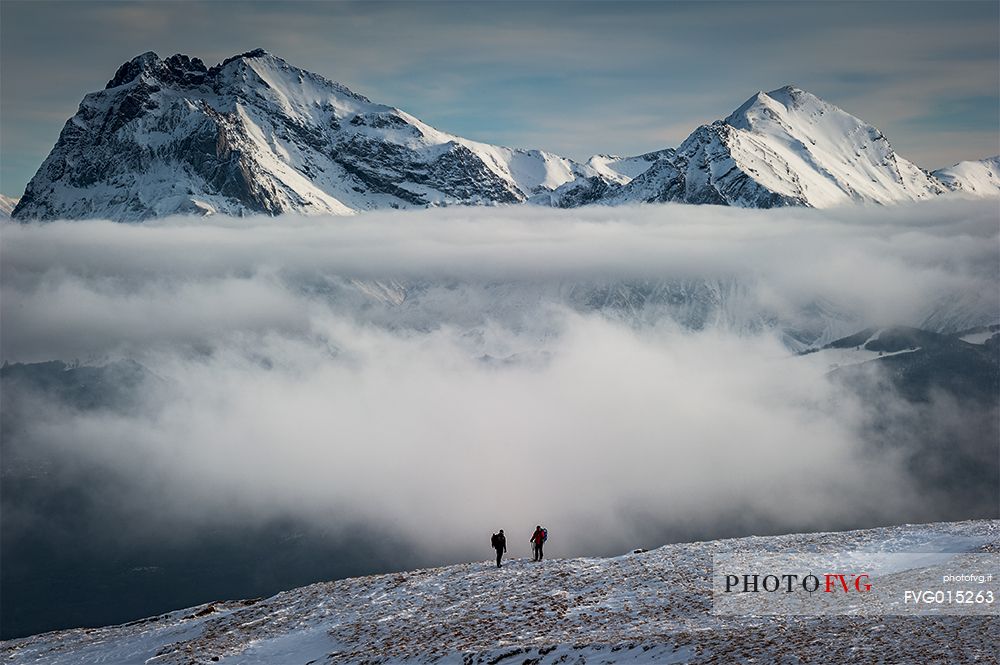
point(446, 373)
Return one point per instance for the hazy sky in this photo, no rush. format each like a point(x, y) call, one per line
point(572, 78)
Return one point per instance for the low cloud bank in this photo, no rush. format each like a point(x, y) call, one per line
point(440, 374)
point(408, 429)
point(73, 289)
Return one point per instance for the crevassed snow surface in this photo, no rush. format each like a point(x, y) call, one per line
point(651, 607)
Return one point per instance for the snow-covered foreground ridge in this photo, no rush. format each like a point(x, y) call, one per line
point(255, 134)
point(650, 607)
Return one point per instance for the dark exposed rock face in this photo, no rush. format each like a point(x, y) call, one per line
point(585, 191)
point(177, 69)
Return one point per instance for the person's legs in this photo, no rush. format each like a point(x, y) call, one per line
point(499, 555)
point(539, 551)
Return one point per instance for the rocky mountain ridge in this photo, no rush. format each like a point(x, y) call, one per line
point(256, 135)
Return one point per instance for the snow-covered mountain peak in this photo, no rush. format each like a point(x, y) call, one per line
point(790, 95)
point(181, 68)
point(778, 148)
point(145, 63)
point(758, 106)
point(779, 106)
point(259, 67)
point(976, 177)
point(255, 134)
point(803, 149)
point(150, 69)
point(257, 53)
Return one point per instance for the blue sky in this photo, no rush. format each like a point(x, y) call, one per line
point(575, 78)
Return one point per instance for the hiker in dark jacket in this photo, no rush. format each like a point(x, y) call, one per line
point(499, 542)
point(537, 540)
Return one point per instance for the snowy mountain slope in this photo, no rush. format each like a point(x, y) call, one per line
point(980, 335)
point(255, 134)
point(7, 205)
point(610, 174)
point(623, 169)
point(874, 344)
point(784, 147)
point(839, 354)
point(980, 177)
point(646, 607)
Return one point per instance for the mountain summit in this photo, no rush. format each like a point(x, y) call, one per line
point(780, 148)
point(256, 135)
point(789, 147)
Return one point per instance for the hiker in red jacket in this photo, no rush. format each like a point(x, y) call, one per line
point(537, 540)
